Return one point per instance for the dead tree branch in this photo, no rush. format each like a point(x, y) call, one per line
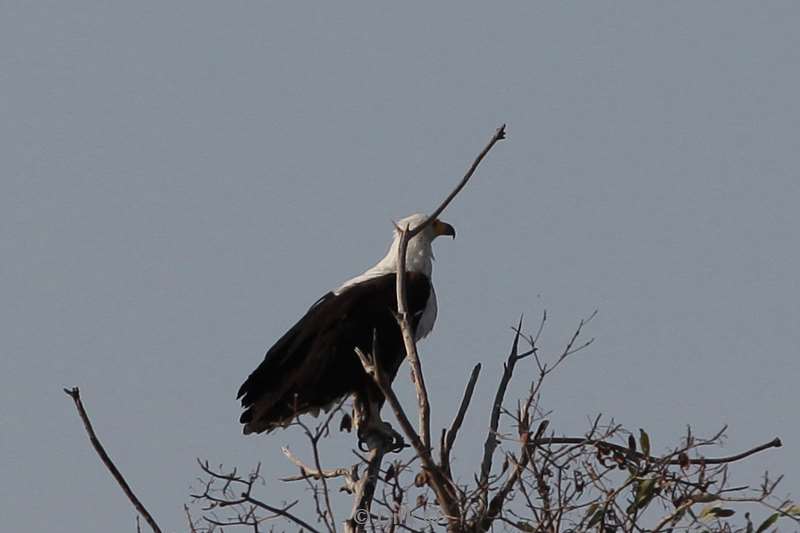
point(670, 459)
point(499, 135)
point(406, 234)
point(369, 362)
point(306, 471)
point(449, 436)
point(75, 394)
point(227, 497)
point(436, 478)
point(364, 490)
point(491, 442)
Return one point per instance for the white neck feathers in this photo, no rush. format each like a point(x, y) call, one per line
point(419, 258)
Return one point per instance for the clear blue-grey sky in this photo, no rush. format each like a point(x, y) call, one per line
point(181, 180)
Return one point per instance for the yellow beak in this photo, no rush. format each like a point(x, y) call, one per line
point(443, 228)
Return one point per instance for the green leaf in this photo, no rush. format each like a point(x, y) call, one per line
point(766, 524)
point(598, 516)
point(716, 512)
point(644, 492)
point(705, 497)
point(646, 489)
point(644, 441)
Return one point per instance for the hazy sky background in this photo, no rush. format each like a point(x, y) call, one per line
point(180, 181)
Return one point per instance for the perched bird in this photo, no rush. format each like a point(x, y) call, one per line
point(314, 364)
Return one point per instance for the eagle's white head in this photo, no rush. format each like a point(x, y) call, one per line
point(419, 254)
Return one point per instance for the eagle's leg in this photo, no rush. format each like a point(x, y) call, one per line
point(372, 431)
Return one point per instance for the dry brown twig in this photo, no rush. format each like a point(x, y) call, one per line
point(224, 497)
point(350, 475)
point(449, 435)
point(189, 519)
point(491, 438)
point(75, 394)
point(314, 437)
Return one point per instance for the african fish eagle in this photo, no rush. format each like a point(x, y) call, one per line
point(314, 364)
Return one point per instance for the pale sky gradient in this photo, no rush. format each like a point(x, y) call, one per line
point(180, 181)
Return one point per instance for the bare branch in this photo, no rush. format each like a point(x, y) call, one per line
point(450, 435)
point(366, 488)
point(307, 471)
point(402, 307)
point(436, 479)
point(491, 438)
point(666, 460)
point(75, 394)
point(225, 500)
point(280, 512)
point(330, 521)
point(364, 491)
point(442, 486)
point(499, 135)
point(369, 363)
point(192, 529)
point(423, 405)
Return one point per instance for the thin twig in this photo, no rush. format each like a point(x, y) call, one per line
point(666, 460)
point(280, 512)
point(330, 521)
point(75, 394)
point(491, 442)
point(307, 471)
point(499, 135)
point(495, 506)
point(192, 529)
point(450, 435)
point(245, 496)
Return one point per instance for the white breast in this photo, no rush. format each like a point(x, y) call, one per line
point(428, 317)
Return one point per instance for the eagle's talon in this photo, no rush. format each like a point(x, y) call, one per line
point(370, 440)
point(382, 435)
point(398, 444)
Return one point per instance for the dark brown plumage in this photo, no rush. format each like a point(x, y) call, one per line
point(314, 364)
